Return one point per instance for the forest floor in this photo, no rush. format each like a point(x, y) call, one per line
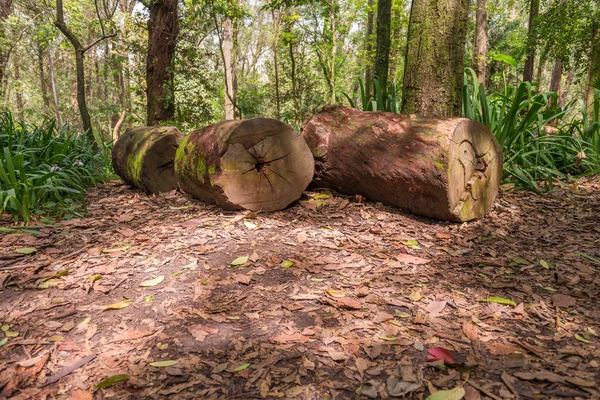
point(326, 299)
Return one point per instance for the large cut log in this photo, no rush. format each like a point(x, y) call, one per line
point(256, 164)
point(444, 168)
point(143, 157)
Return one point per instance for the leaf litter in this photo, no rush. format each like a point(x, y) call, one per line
point(320, 300)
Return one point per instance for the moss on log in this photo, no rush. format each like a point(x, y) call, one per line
point(256, 164)
point(143, 157)
point(444, 168)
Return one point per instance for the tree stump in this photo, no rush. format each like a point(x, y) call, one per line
point(143, 157)
point(258, 164)
point(444, 168)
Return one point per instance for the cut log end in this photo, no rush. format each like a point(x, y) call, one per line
point(259, 164)
point(144, 157)
point(474, 171)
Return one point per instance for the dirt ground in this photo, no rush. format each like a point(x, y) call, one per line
point(332, 298)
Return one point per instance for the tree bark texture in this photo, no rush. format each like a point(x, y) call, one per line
point(444, 168)
point(228, 68)
point(369, 49)
point(382, 53)
point(534, 9)
point(163, 28)
point(5, 10)
point(480, 42)
point(258, 164)
point(556, 80)
point(593, 64)
point(143, 157)
point(433, 73)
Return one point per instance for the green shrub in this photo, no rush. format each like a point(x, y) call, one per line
point(46, 171)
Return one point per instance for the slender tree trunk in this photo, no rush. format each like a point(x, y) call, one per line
point(43, 81)
point(235, 55)
point(382, 57)
point(5, 10)
point(54, 94)
point(480, 45)
point(563, 94)
point(18, 89)
point(534, 9)
point(163, 28)
point(276, 62)
point(556, 80)
point(333, 52)
point(293, 73)
point(593, 64)
point(433, 70)
point(369, 49)
point(228, 68)
point(541, 66)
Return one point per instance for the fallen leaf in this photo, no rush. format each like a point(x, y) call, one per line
point(112, 380)
point(200, 332)
point(286, 264)
point(470, 330)
point(301, 237)
point(250, 225)
point(439, 353)
point(118, 305)
point(497, 300)
point(240, 261)
point(125, 218)
point(452, 394)
point(562, 300)
point(26, 250)
point(241, 367)
point(416, 296)
point(382, 317)
point(81, 395)
point(162, 364)
point(412, 243)
point(290, 338)
point(349, 303)
point(436, 307)
point(336, 293)
point(410, 259)
point(153, 282)
point(243, 279)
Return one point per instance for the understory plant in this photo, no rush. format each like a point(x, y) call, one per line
point(382, 99)
point(541, 143)
point(45, 171)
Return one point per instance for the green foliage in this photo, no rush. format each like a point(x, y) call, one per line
point(540, 144)
point(43, 171)
point(380, 101)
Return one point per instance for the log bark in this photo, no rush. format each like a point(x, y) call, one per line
point(258, 164)
point(443, 168)
point(144, 156)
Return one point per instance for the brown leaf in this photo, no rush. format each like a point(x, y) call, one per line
point(125, 218)
point(349, 303)
point(563, 300)
point(243, 279)
point(290, 338)
point(200, 332)
point(81, 395)
point(131, 335)
point(382, 317)
point(436, 307)
point(470, 330)
point(409, 259)
point(502, 349)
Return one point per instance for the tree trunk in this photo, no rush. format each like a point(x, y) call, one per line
point(276, 62)
point(593, 64)
point(5, 10)
point(43, 81)
point(18, 89)
point(81, 98)
point(54, 94)
point(333, 52)
point(433, 71)
point(144, 156)
point(369, 49)
point(556, 80)
point(534, 9)
point(480, 45)
point(563, 93)
point(293, 77)
point(163, 28)
point(444, 168)
point(382, 57)
point(258, 164)
point(228, 69)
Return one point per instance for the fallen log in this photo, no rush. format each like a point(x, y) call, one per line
point(444, 168)
point(256, 164)
point(143, 157)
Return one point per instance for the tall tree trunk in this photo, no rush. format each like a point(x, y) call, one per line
point(43, 83)
point(563, 93)
point(541, 66)
point(556, 80)
point(293, 73)
point(593, 63)
point(480, 45)
point(54, 94)
point(433, 70)
point(18, 89)
point(163, 28)
point(382, 57)
point(276, 62)
point(228, 68)
point(369, 49)
point(5, 10)
point(534, 9)
point(333, 52)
